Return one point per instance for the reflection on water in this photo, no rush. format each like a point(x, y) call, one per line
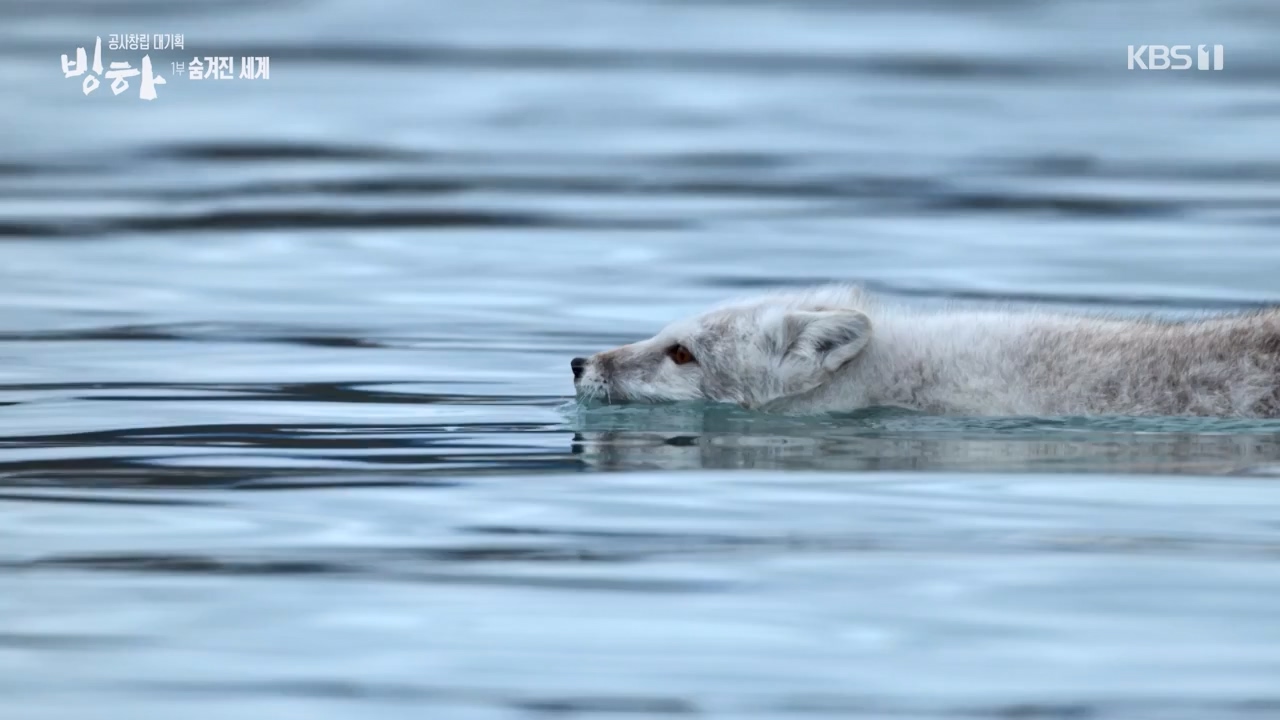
point(732, 439)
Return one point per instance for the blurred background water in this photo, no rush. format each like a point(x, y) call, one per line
point(284, 362)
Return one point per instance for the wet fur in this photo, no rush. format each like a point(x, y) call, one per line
point(787, 352)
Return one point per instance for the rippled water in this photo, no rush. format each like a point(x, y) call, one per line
point(283, 363)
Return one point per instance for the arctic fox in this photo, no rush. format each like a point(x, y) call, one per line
point(839, 348)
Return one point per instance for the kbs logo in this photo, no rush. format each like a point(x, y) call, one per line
point(1173, 57)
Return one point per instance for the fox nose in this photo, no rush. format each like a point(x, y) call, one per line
point(578, 365)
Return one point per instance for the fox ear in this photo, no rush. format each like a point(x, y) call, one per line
point(830, 337)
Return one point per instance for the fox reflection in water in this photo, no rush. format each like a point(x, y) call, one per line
point(691, 437)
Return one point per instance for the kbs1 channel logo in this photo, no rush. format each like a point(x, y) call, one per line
point(119, 72)
point(1175, 57)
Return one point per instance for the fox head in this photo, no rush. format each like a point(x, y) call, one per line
point(749, 353)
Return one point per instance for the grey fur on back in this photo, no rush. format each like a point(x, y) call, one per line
point(1034, 362)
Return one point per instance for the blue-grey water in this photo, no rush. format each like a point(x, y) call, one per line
point(284, 429)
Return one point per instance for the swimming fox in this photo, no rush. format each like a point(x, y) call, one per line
point(841, 348)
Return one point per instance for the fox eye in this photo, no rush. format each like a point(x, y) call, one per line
point(680, 354)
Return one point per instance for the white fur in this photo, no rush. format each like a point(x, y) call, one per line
point(838, 348)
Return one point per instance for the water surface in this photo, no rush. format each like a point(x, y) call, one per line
point(283, 363)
